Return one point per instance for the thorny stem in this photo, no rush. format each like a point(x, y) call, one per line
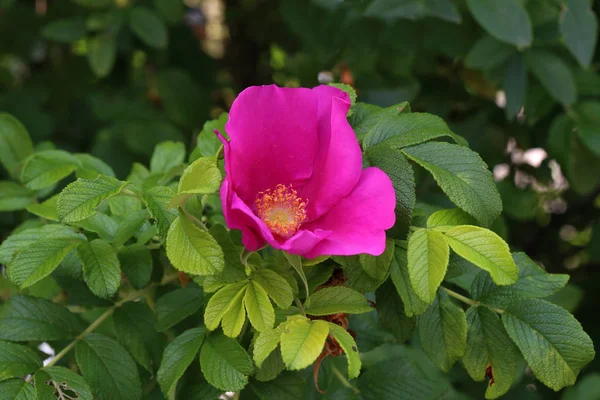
point(343, 379)
point(469, 301)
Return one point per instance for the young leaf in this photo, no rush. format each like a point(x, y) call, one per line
point(25, 318)
point(17, 361)
point(506, 20)
point(108, 368)
point(338, 299)
point(14, 196)
point(260, 311)
point(277, 286)
point(551, 340)
point(445, 219)
point(79, 200)
point(579, 28)
point(193, 250)
point(348, 344)
point(486, 250)
point(15, 143)
point(149, 27)
point(428, 256)
point(235, 317)
point(177, 305)
point(302, 341)
point(66, 378)
point(201, 177)
point(489, 352)
point(462, 175)
point(265, 343)
point(135, 328)
point(178, 355)
point(554, 75)
point(136, 264)
point(413, 305)
point(101, 268)
point(157, 200)
point(224, 363)
point(443, 331)
point(46, 210)
point(47, 167)
point(377, 267)
point(221, 302)
point(17, 389)
point(208, 144)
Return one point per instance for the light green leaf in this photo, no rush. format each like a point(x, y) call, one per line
point(136, 264)
point(124, 205)
point(533, 282)
point(47, 167)
point(579, 28)
point(277, 286)
point(193, 250)
point(25, 318)
point(462, 175)
point(46, 210)
point(19, 241)
point(92, 167)
point(70, 381)
point(302, 341)
point(265, 343)
point(224, 363)
point(14, 196)
point(201, 177)
point(17, 361)
point(38, 260)
point(377, 267)
point(135, 328)
point(17, 389)
point(108, 368)
point(349, 346)
point(221, 302)
point(208, 144)
point(413, 305)
point(296, 263)
point(157, 200)
point(428, 256)
point(79, 200)
point(15, 143)
point(166, 156)
point(177, 305)
point(338, 299)
point(488, 346)
point(445, 219)
point(554, 75)
point(443, 331)
point(67, 30)
point(486, 250)
point(235, 317)
point(148, 27)
point(101, 268)
point(506, 20)
point(488, 52)
point(551, 340)
point(260, 311)
point(129, 225)
point(102, 54)
point(178, 355)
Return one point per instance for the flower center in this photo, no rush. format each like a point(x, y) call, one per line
point(281, 210)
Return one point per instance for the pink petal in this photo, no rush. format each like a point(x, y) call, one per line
point(273, 134)
point(358, 222)
point(339, 160)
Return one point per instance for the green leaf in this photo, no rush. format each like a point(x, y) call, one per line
point(47, 167)
point(130, 224)
point(17, 361)
point(488, 346)
point(66, 378)
point(166, 156)
point(277, 287)
point(413, 305)
point(221, 302)
point(17, 389)
point(367, 116)
point(148, 27)
point(25, 318)
point(99, 223)
point(182, 97)
point(234, 271)
point(462, 175)
point(224, 363)
point(108, 368)
point(178, 355)
point(157, 200)
point(102, 54)
point(136, 264)
point(265, 343)
point(171, 11)
point(101, 268)
point(515, 85)
point(38, 260)
point(296, 263)
point(288, 386)
point(579, 28)
point(92, 167)
point(377, 267)
point(79, 200)
point(588, 387)
point(550, 339)
point(302, 341)
point(337, 299)
point(177, 305)
point(587, 121)
point(20, 241)
point(46, 210)
point(15, 143)
point(533, 282)
point(208, 144)
point(553, 74)
point(14, 197)
point(201, 177)
point(135, 328)
point(445, 219)
point(506, 20)
point(486, 250)
point(358, 279)
point(443, 331)
point(124, 205)
point(488, 53)
point(349, 346)
point(193, 250)
point(235, 317)
point(260, 311)
point(67, 30)
point(390, 310)
point(428, 256)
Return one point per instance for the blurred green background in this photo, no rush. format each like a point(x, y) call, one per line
point(517, 78)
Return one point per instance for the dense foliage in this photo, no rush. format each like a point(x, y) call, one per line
point(115, 254)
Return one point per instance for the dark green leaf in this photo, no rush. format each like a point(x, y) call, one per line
point(225, 364)
point(579, 28)
point(17, 389)
point(390, 309)
point(177, 305)
point(506, 20)
point(553, 74)
point(15, 143)
point(515, 85)
point(45, 168)
point(65, 30)
point(178, 355)
point(136, 264)
point(135, 328)
point(488, 53)
point(102, 54)
point(14, 196)
point(101, 268)
point(149, 27)
point(16, 361)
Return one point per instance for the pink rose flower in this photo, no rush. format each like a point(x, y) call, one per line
point(294, 176)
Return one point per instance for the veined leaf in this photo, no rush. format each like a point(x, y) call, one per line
point(277, 286)
point(260, 311)
point(177, 305)
point(224, 363)
point(554, 75)
point(377, 267)
point(17, 389)
point(135, 328)
point(14, 196)
point(92, 167)
point(201, 177)
point(64, 377)
point(579, 28)
point(337, 299)
point(550, 339)
point(349, 346)
point(235, 317)
point(17, 361)
point(367, 117)
point(46, 210)
point(79, 200)
point(413, 305)
point(22, 240)
point(47, 167)
point(428, 256)
point(167, 155)
point(101, 268)
point(486, 250)
point(136, 264)
point(99, 223)
point(221, 302)
point(265, 343)
point(15, 143)
point(129, 225)
point(178, 355)
point(462, 175)
point(445, 219)
point(157, 200)
point(302, 341)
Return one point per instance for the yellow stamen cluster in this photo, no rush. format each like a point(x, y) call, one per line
point(281, 210)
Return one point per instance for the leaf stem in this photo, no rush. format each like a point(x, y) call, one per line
point(343, 379)
point(469, 301)
point(300, 306)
